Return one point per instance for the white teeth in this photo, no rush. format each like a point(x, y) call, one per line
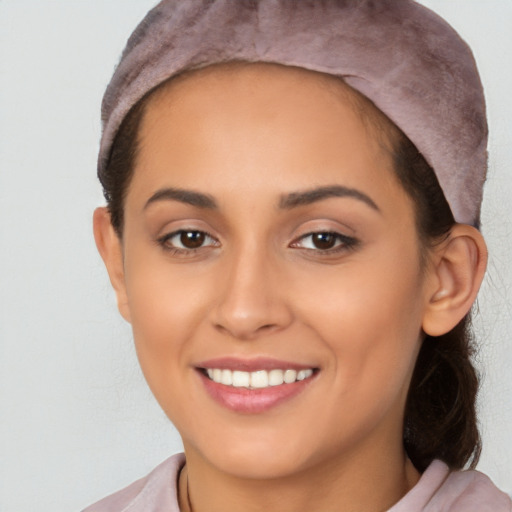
point(226, 377)
point(275, 377)
point(304, 374)
point(240, 379)
point(290, 376)
point(258, 379)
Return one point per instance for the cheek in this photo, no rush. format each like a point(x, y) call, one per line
point(369, 316)
point(167, 303)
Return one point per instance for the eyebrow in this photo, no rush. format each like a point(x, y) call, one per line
point(288, 201)
point(306, 197)
point(197, 199)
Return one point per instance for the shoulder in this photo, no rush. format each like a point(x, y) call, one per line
point(471, 491)
point(440, 489)
point(154, 492)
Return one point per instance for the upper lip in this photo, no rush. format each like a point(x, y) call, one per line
point(251, 365)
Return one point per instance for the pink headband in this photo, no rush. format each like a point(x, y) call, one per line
point(402, 56)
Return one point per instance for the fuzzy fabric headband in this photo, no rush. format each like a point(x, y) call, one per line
point(402, 56)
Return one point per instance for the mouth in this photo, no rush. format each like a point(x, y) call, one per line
point(254, 386)
point(259, 379)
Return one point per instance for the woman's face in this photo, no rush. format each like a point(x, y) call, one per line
point(267, 240)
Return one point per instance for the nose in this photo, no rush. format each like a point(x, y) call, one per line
point(251, 298)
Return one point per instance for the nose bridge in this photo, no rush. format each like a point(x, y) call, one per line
point(249, 298)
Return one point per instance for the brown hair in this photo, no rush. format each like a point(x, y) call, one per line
point(440, 415)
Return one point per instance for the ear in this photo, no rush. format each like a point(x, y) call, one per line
point(458, 268)
point(110, 248)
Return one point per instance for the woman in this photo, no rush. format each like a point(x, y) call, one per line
point(293, 195)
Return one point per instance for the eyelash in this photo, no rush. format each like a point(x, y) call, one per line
point(342, 242)
point(163, 241)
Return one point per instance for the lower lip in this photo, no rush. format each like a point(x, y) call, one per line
point(253, 401)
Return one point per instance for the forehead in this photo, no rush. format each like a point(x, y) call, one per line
point(247, 78)
point(238, 88)
point(237, 72)
point(250, 91)
point(248, 126)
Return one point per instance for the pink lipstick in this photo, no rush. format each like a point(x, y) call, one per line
point(255, 385)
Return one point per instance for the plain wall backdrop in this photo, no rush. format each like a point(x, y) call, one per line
point(77, 419)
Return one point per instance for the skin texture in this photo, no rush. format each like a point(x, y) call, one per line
point(248, 137)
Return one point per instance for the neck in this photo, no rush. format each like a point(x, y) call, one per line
point(349, 485)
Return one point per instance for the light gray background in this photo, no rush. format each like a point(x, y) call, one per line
point(77, 420)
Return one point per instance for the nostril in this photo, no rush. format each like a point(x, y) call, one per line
point(267, 327)
point(245, 332)
point(221, 328)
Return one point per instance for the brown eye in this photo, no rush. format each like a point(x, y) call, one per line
point(192, 239)
point(187, 240)
point(324, 241)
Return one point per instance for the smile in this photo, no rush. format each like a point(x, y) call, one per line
point(259, 379)
point(254, 386)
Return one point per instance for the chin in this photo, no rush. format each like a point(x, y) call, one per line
point(261, 459)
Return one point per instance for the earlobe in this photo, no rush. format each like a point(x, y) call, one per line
point(110, 248)
point(458, 269)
